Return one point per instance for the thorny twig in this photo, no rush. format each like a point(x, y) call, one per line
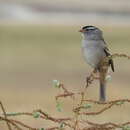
point(66, 92)
point(3, 109)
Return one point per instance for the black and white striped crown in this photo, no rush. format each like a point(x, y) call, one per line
point(89, 27)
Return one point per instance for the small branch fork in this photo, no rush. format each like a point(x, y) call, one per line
point(80, 110)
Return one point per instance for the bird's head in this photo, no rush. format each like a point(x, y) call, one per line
point(91, 32)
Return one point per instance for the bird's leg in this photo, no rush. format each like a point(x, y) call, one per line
point(96, 74)
point(97, 77)
point(92, 77)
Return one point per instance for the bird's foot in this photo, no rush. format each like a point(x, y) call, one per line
point(93, 76)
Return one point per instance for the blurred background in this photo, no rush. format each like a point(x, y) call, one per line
point(40, 42)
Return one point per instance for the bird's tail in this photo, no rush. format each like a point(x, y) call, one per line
point(102, 91)
point(103, 73)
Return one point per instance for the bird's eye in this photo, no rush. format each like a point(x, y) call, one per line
point(89, 29)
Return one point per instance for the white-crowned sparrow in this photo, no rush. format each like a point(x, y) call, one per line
point(94, 50)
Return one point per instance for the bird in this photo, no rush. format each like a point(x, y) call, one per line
point(94, 49)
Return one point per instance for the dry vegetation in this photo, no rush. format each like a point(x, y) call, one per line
point(79, 120)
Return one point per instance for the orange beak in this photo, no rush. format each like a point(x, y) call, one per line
point(81, 30)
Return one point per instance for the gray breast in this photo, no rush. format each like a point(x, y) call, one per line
point(93, 52)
